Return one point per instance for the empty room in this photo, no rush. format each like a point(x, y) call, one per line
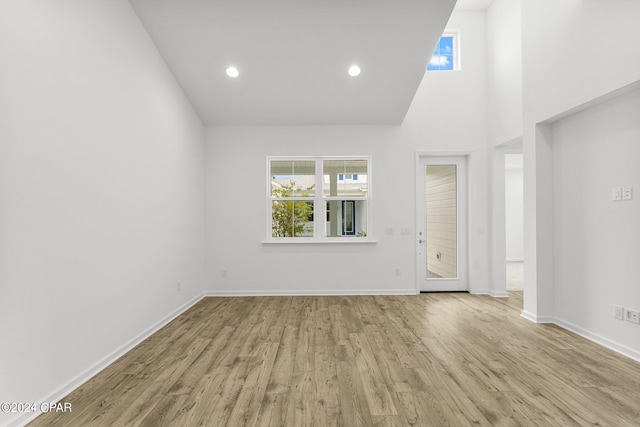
point(255, 213)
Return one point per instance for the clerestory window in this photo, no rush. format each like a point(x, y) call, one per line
point(446, 56)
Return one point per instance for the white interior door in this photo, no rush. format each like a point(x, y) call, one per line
point(441, 202)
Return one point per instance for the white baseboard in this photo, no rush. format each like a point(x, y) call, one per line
point(591, 336)
point(490, 292)
point(528, 316)
point(537, 319)
point(236, 293)
point(90, 372)
point(599, 339)
point(515, 260)
point(499, 294)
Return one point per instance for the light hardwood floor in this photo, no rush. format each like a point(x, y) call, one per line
point(427, 360)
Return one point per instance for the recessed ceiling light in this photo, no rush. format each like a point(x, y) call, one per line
point(232, 72)
point(354, 70)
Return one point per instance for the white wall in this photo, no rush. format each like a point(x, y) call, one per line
point(597, 240)
point(514, 214)
point(101, 192)
point(448, 113)
point(236, 214)
point(599, 52)
point(504, 86)
point(504, 76)
point(598, 57)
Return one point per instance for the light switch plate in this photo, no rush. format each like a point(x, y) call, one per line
point(616, 193)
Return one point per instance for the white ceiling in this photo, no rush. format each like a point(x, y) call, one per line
point(293, 56)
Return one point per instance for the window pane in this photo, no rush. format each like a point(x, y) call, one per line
point(442, 220)
point(292, 218)
point(346, 218)
point(293, 178)
point(345, 178)
point(442, 58)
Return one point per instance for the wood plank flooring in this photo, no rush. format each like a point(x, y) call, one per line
point(426, 360)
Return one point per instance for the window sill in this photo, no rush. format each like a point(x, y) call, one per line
point(339, 241)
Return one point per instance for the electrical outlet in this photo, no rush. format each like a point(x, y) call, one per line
point(627, 193)
point(223, 273)
point(398, 271)
point(618, 312)
point(631, 316)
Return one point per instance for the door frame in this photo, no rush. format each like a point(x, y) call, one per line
point(463, 227)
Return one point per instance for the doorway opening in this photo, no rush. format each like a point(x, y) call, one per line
point(514, 225)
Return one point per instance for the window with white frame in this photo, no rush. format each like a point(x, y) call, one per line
point(318, 198)
point(446, 55)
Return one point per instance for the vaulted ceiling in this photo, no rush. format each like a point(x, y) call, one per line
point(293, 56)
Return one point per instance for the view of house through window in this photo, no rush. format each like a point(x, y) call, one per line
point(446, 54)
point(319, 198)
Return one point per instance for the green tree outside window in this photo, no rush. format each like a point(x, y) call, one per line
point(290, 218)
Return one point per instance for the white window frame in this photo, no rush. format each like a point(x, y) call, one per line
point(455, 34)
point(319, 203)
